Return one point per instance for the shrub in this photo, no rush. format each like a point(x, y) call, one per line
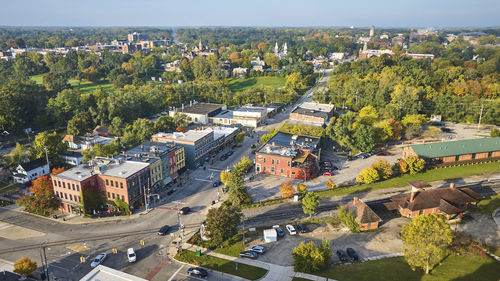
point(348, 219)
point(368, 175)
point(309, 258)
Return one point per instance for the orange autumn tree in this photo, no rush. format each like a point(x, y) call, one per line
point(56, 171)
point(287, 189)
point(43, 200)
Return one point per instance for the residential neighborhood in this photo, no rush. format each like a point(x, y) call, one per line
point(228, 142)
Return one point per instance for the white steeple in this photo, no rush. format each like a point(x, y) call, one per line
point(285, 49)
point(276, 49)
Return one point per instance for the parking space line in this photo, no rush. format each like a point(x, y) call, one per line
point(175, 273)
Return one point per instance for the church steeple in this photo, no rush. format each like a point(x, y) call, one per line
point(200, 46)
point(285, 49)
point(276, 49)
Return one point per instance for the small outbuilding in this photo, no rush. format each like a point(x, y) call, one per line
point(270, 235)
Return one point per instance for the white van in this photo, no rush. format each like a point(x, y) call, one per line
point(131, 255)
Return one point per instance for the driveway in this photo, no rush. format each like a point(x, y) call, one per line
point(481, 227)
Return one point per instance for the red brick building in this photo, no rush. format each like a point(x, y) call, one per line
point(312, 113)
point(363, 214)
point(449, 201)
point(456, 152)
point(115, 178)
point(289, 155)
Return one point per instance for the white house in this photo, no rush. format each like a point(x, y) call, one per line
point(29, 171)
point(72, 157)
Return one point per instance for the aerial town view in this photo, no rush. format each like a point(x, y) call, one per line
point(221, 140)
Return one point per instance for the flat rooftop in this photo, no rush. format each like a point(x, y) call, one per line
point(189, 136)
point(104, 273)
point(281, 144)
point(317, 106)
point(200, 108)
point(311, 112)
point(152, 148)
point(103, 166)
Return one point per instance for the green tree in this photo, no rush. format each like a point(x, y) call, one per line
point(225, 177)
point(78, 125)
point(243, 166)
point(302, 188)
point(495, 133)
point(310, 203)
point(383, 168)
point(414, 119)
point(237, 192)
point(368, 175)
point(309, 258)
point(122, 207)
point(272, 60)
point(64, 106)
point(222, 223)
point(51, 142)
point(239, 137)
point(414, 164)
point(368, 115)
point(348, 219)
point(139, 131)
point(425, 241)
point(364, 138)
point(294, 82)
point(24, 266)
point(18, 155)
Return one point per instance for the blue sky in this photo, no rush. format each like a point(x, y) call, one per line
point(390, 13)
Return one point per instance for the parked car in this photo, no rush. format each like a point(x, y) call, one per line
point(327, 173)
point(249, 254)
point(217, 183)
point(98, 260)
point(352, 254)
point(197, 271)
point(131, 255)
point(258, 249)
point(300, 228)
point(163, 230)
point(280, 231)
point(223, 157)
point(184, 210)
point(342, 255)
point(326, 164)
point(229, 153)
point(290, 229)
point(362, 156)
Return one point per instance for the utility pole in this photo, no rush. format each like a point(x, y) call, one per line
point(480, 116)
point(47, 157)
point(46, 264)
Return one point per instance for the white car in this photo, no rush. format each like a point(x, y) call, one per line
point(98, 260)
point(131, 255)
point(291, 229)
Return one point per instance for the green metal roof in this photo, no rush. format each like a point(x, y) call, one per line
point(451, 148)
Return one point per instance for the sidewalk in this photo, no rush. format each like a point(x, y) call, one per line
point(275, 272)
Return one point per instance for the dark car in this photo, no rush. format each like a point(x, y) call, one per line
point(352, 254)
point(223, 157)
point(163, 230)
point(249, 254)
point(280, 232)
point(229, 153)
point(300, 228)
point(184, 210)
point(342, 255)
point(217, 183)
point(253, 151)
point(197, 271)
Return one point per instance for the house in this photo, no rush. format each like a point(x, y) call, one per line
point(31, 170)
point(199, 112)
point(101, 273)
point(448, 201)
point(257, 64)
point(102, 131)
point(312, 113)
point(166, 161)
point(240, 72)
point(197, 144)
point(72, 141)
point(74, 158)
point(89, 142)
point(289, 155)
point(115, 178)
point(336, 56)
point(363, 214)
point(456, 152)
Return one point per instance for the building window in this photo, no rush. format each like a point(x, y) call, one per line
point(288, 163)
point(121, 185)
point(264, 158)
point(64, 185)
point(73, 185)
point(113, 195)
point(107, 182)
point(77, 188)
point(111, 183)
point(277, 162)
point(272, 169)
point(293, 173)
point(282, 171)
point(116, 184)
point(57, 194)
point(109, 195)
point(272, 161)
point(71, 197)
point(59, 182)
point(79, 200)
point(65, 196)
point(123, 197)
point(55, 183)
point(264, 169)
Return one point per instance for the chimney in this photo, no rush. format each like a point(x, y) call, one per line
point(413, 194)
point(452, 185)
point(355, 200)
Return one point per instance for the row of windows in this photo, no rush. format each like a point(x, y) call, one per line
point(117, 196)
point(272, 170)
point(277, 161)
point(110, 183)
point(70, 186)
point(71, 197)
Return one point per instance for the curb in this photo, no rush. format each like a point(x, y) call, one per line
point(234, 277)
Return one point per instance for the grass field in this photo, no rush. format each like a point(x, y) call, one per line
point(6, 187)
point(241, 84)
point(428, 176)
point(222, 265)
point(487, 206)
point(456, 268)
point(231, 247)
point(85, 86)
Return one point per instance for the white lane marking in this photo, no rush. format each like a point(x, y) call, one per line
point(172, 277)
point(203, 180)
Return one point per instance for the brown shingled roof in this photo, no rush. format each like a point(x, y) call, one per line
point(362, 212)
point(455, 199)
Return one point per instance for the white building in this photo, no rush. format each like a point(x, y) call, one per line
point(336, 56)
point(257, 64)
point(199, 112)
point(72, 157)
point(240, 72)
point(29, 171)
point(247, 116)
point(104, 273)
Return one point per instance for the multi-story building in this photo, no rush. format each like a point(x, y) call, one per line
point(166, 160)
point(312, 113)
point(290, 156)
point(199, 112)
point(197, 144)
point(246, 116)
point(114, 178)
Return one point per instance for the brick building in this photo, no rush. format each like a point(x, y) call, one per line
point(363, 214)
point(290, 156)
point(312, 113)
point(456, 152)
point(449, 201)
point(199, 112)
point(115, 178)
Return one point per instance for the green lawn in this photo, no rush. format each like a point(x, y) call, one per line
point(428, 176)
point(241, 84)
point(487, 206)
point(85, 86)
point(300, 279)
point(222, 265)
point(232, 247)
point(456, 268)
